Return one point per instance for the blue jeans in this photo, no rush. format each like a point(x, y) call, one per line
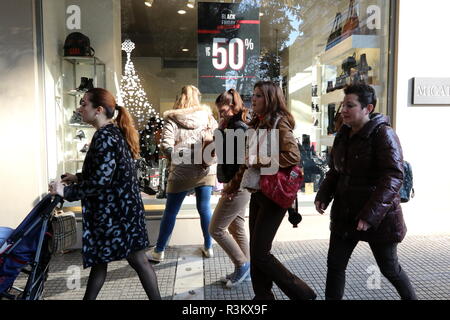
point(173, 205)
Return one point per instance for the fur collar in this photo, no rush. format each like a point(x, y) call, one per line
point(190, 118)
point(174, 113)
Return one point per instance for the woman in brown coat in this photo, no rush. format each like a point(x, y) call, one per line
point(365, 176)
point(270, 110)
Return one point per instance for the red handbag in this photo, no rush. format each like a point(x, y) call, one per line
point(283, 186)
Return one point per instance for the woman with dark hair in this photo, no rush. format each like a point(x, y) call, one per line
point(229, 214)
point(365, 176)
point(113, 213)
point(270, 110)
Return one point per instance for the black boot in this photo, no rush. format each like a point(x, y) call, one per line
point(83, 84)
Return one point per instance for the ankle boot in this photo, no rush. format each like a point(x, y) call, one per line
point(83, 84)
point(90, 84)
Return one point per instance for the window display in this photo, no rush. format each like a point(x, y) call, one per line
point(312, 49)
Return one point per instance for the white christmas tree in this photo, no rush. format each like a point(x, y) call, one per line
point(132, 95)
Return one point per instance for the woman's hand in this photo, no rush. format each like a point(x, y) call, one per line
point(320, 207)
point(230, 191)
point(362, 226)
point(56, 187)
point(69, 178)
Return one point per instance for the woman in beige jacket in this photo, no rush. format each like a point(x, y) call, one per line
point(186, 129)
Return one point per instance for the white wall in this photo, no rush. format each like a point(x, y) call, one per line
point(22, 118)
point(423, 51)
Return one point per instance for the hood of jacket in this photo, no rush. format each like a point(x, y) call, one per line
point(189, 118)
point(376, 119)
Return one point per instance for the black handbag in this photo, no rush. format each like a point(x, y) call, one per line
point(77, 44)
point(336, 32)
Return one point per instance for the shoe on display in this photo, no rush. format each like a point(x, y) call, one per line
point(240, 274)
point(152, 255)
point(207, 253)
point(76, 118)
point(85, 85)
point(80, 135)
point(85, 148)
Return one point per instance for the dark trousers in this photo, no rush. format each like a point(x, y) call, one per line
point(265, 269)
point(385, 255)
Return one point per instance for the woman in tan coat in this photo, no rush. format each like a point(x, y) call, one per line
point(186, 128)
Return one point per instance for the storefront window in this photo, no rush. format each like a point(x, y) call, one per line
point(312, 49)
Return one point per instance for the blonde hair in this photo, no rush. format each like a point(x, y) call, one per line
point(190, 97)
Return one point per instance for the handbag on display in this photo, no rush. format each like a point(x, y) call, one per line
point(352, 23)
point(336, 31)
point(362, 76)
point(77, 44)
point(349, 63)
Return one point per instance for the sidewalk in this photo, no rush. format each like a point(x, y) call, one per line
point(426, 259)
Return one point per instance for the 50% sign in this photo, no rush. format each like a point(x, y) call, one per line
point(232, 55)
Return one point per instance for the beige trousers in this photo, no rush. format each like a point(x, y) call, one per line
point(227, 227)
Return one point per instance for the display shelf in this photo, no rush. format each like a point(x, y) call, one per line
point(73, 70)
point(332, 97)
point(75, 94)
point(84, 60)
point(337, 96)
point(76, 125)
point(345, 46)
point(327, 140)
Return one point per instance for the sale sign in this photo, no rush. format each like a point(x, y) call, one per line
point(228, 47)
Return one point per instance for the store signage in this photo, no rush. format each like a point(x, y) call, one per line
point(73, 21)
point(228, 47)
point(431, 91)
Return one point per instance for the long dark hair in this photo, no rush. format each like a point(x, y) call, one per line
point(275, 105)
point(102, 97)
point(233, 99)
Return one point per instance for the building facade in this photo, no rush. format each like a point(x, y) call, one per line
point(311, 48)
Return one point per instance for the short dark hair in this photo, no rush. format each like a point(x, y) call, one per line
point(366, 94)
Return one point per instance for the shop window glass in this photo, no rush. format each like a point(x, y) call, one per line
point(310, 48)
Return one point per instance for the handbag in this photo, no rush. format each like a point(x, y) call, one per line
point(77, 44)
point(349, 63)
point(336, 31)
point(64, 231)
point(282, 187)
point(352, 23)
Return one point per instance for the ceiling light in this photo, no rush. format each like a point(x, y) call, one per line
point(148, 3)
point(181, 11)
point(185, 50)
point(191, 3)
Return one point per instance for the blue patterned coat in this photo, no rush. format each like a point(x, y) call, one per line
point(113, 212)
